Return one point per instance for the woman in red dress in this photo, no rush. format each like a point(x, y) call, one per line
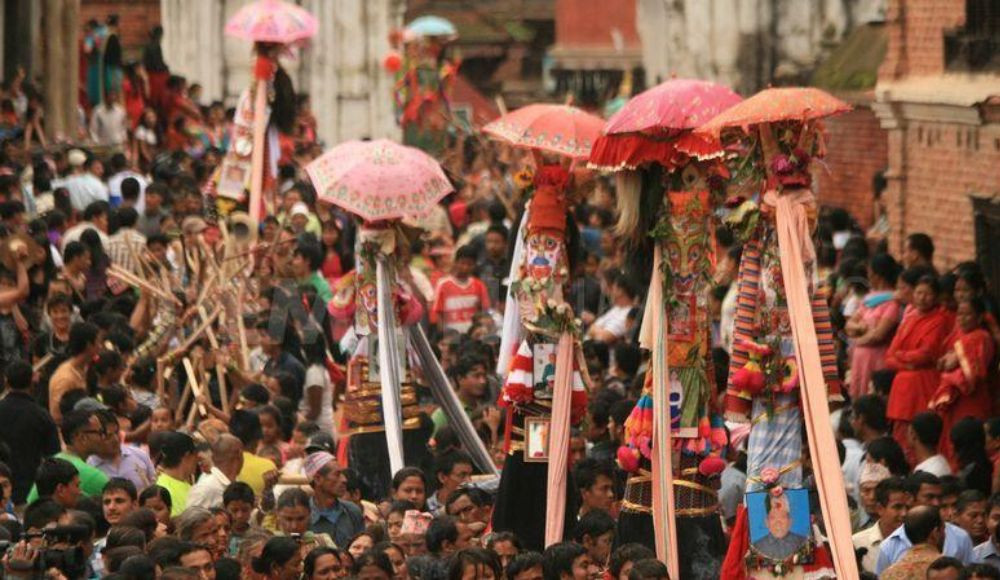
point(964, 390)
point(913, 354)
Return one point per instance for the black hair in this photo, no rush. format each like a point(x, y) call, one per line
point(523, 562)
point(81, 336)
point(137, 567)
point(372, 558)
point(980, 571)
point(922, 244)
point(43, 511)
point(446, 463)
point(886, 267)
point(441, 529)
point(870, 409)
point(620, 410)
point(53, 472)
point(143, 519)
point(911, 276)
point(931, 281)
point(125, 536)
point(309, 562)
point(587, 470)
point(969, 496)
point(648, 569)
point(74, 422)
point(19, 375)
point(238, 491)
point(627, 553)
point(969, 440)
point(292, 497)
point(594, 523)
point(165, 551)
point(245, 425)
point(886, 450)
point(918, 479)
point(558, 559)
point(466, 252)
point(477, 558)
point(174, 446)
point(927, 427)
point(277, 552)
point(599, 407)
point(121, 484)
point(311, 252)
point(498, 229)
point(628, 358)
point(256, 393)
point(155, 491)
point(887, 487)
point(96, 208)
point(920, 523)
point(127, 217)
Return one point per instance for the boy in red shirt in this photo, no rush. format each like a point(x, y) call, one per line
point(461, 295)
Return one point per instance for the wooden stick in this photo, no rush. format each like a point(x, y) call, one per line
point(160, 381)
point(133, 280)
point(193, 381)
point(241, 327)
point(195, 335)
point(220, 374)
point(42, 362)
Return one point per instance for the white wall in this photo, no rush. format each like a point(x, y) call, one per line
point(340, 68)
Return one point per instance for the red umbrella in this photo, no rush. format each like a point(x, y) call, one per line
point(655, 125)
point(773, 105)
point(560, 129)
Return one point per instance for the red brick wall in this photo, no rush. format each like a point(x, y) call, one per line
point(136, 18)
point(945, 164)
point(856, 150)
point(916, 35)
point(590, 22)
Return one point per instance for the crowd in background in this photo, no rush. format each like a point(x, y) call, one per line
point(92, 458)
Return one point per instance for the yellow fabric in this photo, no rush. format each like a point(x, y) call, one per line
point(253, 471)
point(178, 492)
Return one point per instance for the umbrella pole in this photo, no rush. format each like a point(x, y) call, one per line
point(257, 157)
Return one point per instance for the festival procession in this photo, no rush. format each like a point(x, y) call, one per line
point(517, 289)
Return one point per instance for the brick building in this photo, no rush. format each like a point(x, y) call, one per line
point(596, 42)
point(857, 146)
point(937, 96)
point(137, 18)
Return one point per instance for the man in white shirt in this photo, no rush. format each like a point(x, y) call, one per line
point(924, 434)
point(227, 457)
point(83, 186)
point(611, 326)
point(109, 122)
point(892, 500)
point(120, 172)
point(95, 217)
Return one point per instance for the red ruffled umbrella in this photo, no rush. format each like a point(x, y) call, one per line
point(774, 105)
point(655, 125)
point(559, 129)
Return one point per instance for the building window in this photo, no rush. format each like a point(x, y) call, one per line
point(976, 45)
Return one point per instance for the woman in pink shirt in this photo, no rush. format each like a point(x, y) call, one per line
point(872, 327)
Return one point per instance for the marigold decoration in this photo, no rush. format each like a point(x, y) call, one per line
point(392, 62)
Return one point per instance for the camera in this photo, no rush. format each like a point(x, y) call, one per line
point(61, 550)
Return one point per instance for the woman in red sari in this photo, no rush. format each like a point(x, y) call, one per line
point(964, 388)
point(913, 354)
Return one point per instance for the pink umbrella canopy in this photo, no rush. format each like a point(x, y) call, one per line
point(559, 129)
point(379, 180)
point(272, 21)
point(671, 106)
point(655, 125)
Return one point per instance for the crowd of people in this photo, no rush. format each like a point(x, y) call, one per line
point(110, 467)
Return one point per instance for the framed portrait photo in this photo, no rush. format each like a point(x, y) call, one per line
point(780, 527)
point(536, 440)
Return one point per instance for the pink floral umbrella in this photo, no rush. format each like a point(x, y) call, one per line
point(379, 180)
point(560, 129)
point(272, 21)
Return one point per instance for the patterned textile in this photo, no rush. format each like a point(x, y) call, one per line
point(775, 442)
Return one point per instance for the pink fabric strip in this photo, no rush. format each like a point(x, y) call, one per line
point(555, 504)
point(793, 235)
point(653, 336)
